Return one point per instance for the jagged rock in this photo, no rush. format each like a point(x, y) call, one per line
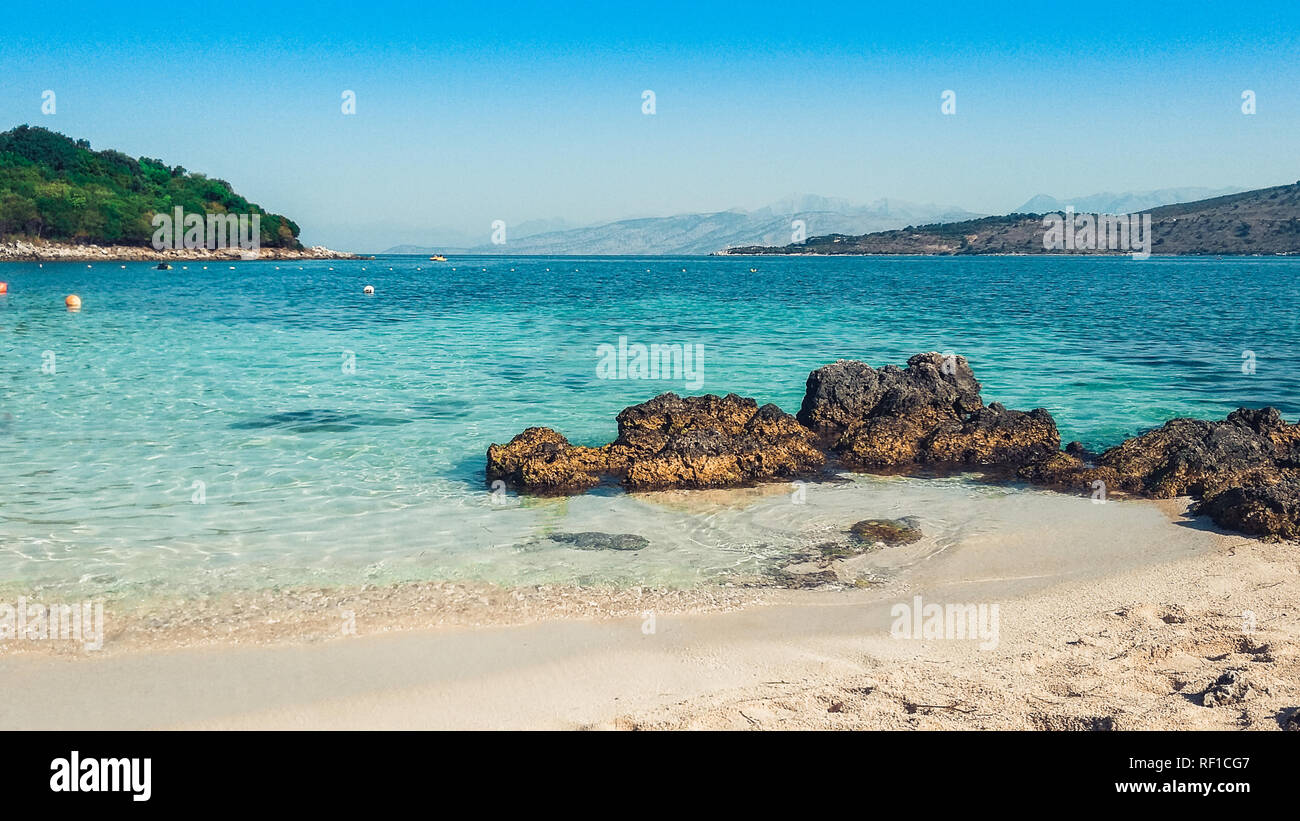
point(707, 441)
point(670, 441)
point(1245, 470)
point(1261, 509)
point(595, 540)
point(929, 412)
point(841, 395)
point(889, 532)
point(1191, 457)
point(646, 428)
point(1067, 471)
point(542, 459)
point(995, 435)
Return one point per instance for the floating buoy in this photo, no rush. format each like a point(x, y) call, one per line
point(73, 302)
point(369, 289)
point(4, 287)
point(753, 270)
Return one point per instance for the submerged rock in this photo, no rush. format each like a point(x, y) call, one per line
point(889, 532)
point(595, 540)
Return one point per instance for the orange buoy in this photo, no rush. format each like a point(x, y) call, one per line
point(4, 287)
point(73, 302)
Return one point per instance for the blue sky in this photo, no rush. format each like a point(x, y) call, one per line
point(466, 114)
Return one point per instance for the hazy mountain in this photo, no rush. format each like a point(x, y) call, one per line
point(706, 233)
point(1264, 221)
point(451, 241)
point(1129, 202)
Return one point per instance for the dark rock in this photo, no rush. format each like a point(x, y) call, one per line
point(889, 532)
point(1244, 470)
point(840, 396)
point(542, 459)
point(595, 540)
point(1191, 457)
point(804, 581)
point(668, 442)
point(929, 412)
point(996, 436)
point(1271, 509)
point(1068, 472)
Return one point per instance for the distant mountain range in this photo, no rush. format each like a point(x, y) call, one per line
point(706, 233)
point(1129, 202)
point(1265, 221)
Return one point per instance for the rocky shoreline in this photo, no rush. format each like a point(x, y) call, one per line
point(39, 251)
point(1243, 472)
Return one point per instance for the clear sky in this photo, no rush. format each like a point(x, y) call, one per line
point(468, 113)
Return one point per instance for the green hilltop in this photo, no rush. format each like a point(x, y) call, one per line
point(55, 188)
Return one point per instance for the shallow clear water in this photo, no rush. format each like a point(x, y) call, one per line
point(312, 473)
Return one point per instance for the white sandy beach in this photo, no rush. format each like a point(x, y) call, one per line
point(1119, 625)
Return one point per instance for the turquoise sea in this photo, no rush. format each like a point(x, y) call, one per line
point(268, 424)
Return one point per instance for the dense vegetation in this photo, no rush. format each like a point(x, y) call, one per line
point(58, 189)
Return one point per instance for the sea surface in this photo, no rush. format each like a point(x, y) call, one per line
point(266, 424)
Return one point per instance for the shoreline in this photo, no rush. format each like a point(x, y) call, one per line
point(1129, 647)
point(289, 613)
point(41, 251)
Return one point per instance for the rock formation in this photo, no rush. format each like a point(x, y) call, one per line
point(1244, 471)
point(929, 412)
point(668, 442)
